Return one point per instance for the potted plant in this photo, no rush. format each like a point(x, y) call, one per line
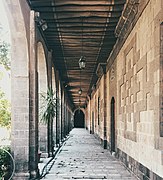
point(47, 114)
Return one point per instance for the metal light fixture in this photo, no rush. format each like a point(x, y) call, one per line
point(44, 25)
point(80, 91)
point(82, 60)
point(40, 22)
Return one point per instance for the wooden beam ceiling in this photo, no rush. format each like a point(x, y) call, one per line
point(72, 23)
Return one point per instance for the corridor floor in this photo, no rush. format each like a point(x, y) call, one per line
point(82, 157)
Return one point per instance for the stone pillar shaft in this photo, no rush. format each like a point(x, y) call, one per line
point(33, 103)
point(57, 111)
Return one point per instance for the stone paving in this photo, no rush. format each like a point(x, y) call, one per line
point(82, 157)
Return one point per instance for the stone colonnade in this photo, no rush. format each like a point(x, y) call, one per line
point(33, 73)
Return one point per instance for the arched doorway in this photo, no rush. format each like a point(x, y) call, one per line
point(112, 125)
point(92, 122)
point(79, 119)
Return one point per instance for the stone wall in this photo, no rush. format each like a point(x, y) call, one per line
point(112, 86)
point(138, 87)
point(133, 79)
point(136, 167)
point(98, 109)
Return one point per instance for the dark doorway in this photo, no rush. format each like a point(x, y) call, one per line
point(79, 119)
point(92, 123)
point(112, 125)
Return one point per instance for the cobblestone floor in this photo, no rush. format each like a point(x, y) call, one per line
point(82, 157)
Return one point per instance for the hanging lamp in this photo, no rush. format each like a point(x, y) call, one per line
point(82, 60)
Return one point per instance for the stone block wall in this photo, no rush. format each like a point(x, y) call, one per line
point(138, 92)
point(97, 108)
point(112, 93)
point(134, 79)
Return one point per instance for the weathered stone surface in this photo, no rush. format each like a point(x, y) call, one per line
point(82, 157)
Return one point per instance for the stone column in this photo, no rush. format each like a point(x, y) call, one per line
point(50, 122)
point(105, 110)
point(101, 71)
point(19, 90)
point(33, 102)
point(63, 113)
point(20, 112)
point(65, 120)
point(161, 81)
point(57, 111)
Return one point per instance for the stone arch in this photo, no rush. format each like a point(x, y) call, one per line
point(42, 89)
point(20, 84)
point(79, 119)
point(60, 109)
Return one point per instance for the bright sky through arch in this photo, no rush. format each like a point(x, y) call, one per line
point(4, 27)
point(5, 82)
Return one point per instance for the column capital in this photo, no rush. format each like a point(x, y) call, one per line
point(101, 69)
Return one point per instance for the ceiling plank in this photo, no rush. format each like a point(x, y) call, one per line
point(72, 23)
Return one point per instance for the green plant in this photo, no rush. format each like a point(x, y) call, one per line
point(48, 111)
point(5, 162)
point(48, 106)
point(5, 112)
point(4, 55)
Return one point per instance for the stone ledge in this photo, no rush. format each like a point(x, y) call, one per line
point(142, 172)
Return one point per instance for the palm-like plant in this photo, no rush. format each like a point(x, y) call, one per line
point(49, 105)
point(48, 112)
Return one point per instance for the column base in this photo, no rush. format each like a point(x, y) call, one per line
point(34, 174)
point(105, 144)
point(21, 176)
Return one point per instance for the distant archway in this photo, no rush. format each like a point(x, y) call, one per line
point(79, 119)
point(112, 125)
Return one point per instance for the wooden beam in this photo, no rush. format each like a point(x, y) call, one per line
point(64, 15)
point(76, 2)
point(80, 9)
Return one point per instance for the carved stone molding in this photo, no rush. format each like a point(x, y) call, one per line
point(112, 73)
point(131, 13)
point(127, 17)
point(101, 69)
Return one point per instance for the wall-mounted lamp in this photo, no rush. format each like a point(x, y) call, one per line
point(40, 22)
